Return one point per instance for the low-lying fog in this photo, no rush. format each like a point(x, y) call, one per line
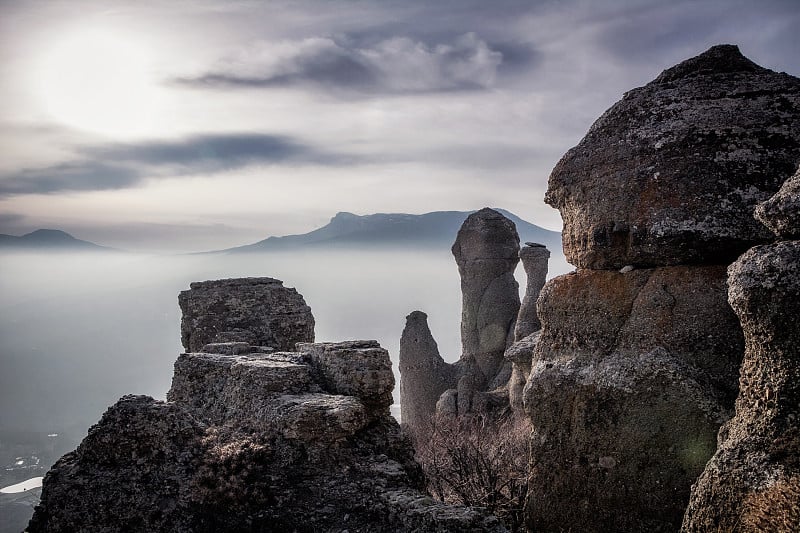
point(78, 331)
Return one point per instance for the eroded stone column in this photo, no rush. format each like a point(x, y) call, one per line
point(534, 260)
point(424, 375)
point(487, 252)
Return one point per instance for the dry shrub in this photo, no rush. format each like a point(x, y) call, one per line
point(478, 461)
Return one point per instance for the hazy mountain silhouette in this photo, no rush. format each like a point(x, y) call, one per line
point(48, 239)
point(392, 230)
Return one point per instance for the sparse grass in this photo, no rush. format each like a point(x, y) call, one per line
point(477, 461)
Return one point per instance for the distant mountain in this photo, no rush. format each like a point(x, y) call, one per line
point(392, 230)
point(47, 240)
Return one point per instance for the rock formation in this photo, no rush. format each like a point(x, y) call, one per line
point(636, 364)
point(671, 173)
point(534, 260)
point(257, 311)
point(753, 481)
point(487, 252)
point(425, 375)
point(526, 333)
point(252, 440)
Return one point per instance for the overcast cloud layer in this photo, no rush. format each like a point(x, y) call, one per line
point(274, 116)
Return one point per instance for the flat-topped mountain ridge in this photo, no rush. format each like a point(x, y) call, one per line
point(379, 230)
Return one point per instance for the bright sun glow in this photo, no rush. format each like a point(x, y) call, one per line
point(101, 82)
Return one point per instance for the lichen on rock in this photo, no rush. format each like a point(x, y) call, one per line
point(671, 173)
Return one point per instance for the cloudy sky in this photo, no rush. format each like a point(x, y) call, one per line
point(191, 125)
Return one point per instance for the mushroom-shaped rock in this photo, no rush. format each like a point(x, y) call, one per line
point(487, 252)
point(671, 173)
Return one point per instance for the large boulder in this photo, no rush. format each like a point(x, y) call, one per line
point(487, 252)
point(672, 172)
point(631, 377)
point(257, 311)
point(753, 481)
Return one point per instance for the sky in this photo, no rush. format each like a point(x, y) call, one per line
point(196, 125)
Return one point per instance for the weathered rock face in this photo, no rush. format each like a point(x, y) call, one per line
point(257, 311)
point(671, 173)
point(424, 375)
point(487, 252)
point(253, 441)
point(632, 376)
point(636, 368)
point(520, 355)
point(781, 213)
point(753, 481)
point(534, 259)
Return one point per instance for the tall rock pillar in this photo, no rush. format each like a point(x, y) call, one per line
point(487, 252)
point(534, 260)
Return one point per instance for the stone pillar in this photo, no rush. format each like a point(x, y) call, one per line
point(487, 252)
point(424, 375)
point(534, 260)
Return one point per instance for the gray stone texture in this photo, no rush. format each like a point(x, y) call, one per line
point(672, 172)
point(424, 375)
point(781, 213)
point(487, 252)
point(520, 355)
point(257, 311)
point(251, 441)
point(631, 377)
point(753, 481)
point(534, 260)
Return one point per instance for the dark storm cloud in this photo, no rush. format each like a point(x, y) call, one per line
point(389, 65)
point(119, 166)
point(72, 176)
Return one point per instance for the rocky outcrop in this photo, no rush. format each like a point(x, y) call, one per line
point(424, 374)
point(257, 311)
point(534, 260)
point(636, 365)
point(781, 213)
point(753, 481)
point(253, 440)
point(671, 173)
point(526, 332)
point(631, 378)
point(487, 252)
